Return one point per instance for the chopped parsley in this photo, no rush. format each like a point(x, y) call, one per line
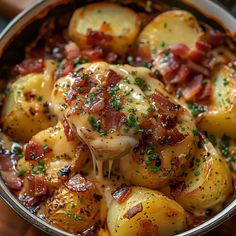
point(75, 217)
point(196, 172)
point(195, 108)
point(224, 145)
point(195, 132)
point(113, 91)
point(95, 124)
point(212, 139)
point(225, 81)
point(132, 121)
point(40, 169)
point(39, 98)
point(21, 172)
point(116, 103)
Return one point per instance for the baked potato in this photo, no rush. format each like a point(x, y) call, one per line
point(169, 28)
point(221, 115)
point(146, 212)
point(75, 206)
point(26, 109)
point(55, 154)
point(99, 24)
point(207, 185)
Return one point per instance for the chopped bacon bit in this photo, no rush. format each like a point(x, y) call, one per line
point(162, 103)
point(134, 211)
point(11, 180)
point(66, 69)
point(193, 87)
point(112, 78)
point(79, 184)
point(206, 92)
point(98, 38)
point(181, 75)
point(35, 185)
point(80, 79)
point(8, 161)
point(167, 64)
point(203, 46)
point(34, 111)
point(176, 188)
point(29, 96)
point(197, 55)
point(72, 51)
point(168, 122)
point(173, 137)
point(34, 151)
point(147, 228)
point(30, 66)
point(93, 54)
point(215, 37)
point(70, 136)
point(198, 68)
point(122, 193)
point(112, 120)
point(179, 49)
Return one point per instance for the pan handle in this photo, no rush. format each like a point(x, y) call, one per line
point(10, 8)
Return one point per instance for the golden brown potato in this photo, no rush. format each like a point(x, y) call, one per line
point(146, 212)
point(62, 157)
point(26, 108)
point(221, 116)
point(169, 28)
point(105, 19)
point(207, 185)
point(75, 206)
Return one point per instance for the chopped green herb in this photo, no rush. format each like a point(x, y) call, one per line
point(132, 121)
point(224, 145)
point(126, 80)
point(113, 91)
point(126, 92)
point(21, 172)
point(196, 172)
point(155, 168)
point(225, 81)
point(212, 139)
point(149, 152)
point(162, 44)
point(148, 163)
point(40, 169)
point(195, 132)
point(195, 108)
point(130, 59)
point(39, 98)
point(116, 103)
point(165, 25)
point(95, 124)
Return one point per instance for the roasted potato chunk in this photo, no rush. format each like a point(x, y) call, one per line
point(169, 28)
point(75, 206)
point(146, 212)
point(59, 158)
point(221, 115)
point(99, 24)
point(26, 109)
point(207, 185)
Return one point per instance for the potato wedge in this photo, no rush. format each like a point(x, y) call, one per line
point(146, 212)
point(105, 18)
point(207, 185)
point(169, 28)
point(26, 107)
point(75, 206)
point(62, 158)
point(221, 116)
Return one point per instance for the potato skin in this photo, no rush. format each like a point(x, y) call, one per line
point(165, 30)
point(158, 215)
point(221, 116)
point(207, 185)
point(64, 154)
point(105, 18)
point(24, 116)
point(74, 211)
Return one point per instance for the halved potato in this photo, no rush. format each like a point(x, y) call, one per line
point(120, 24)
point(62, 157)
point(75, 206)
point(208, 184)
point(146, 212)
point(221, 116)
point(26, 109)
point(169, 28)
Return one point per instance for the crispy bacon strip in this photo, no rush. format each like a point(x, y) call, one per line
point(68, 131)
point(133, 211)
point(78, 184)
point(122, 193)
point(30, 66)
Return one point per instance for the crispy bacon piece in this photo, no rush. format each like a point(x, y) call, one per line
point(198, 68)
point(112, 120)
point(112, 78)
point(29, 96)
point(122, 193)
point(34, 151)
point(98, 38)
point(93, 54)
point(35, 185)
point(215, 37)
point(197, 55)
point(30, 66)
point(203, 46)
point(173, 137)
point(8, 163)
point(161, 103)
point(133, 211)
point(70, 136)
point(179, 49)
point(66, 69)
point(80, 79)
point(79, 184)
point(147, 228)
point(181, 75)
point(72, 51)
point(193, 87)
point(205, 92)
